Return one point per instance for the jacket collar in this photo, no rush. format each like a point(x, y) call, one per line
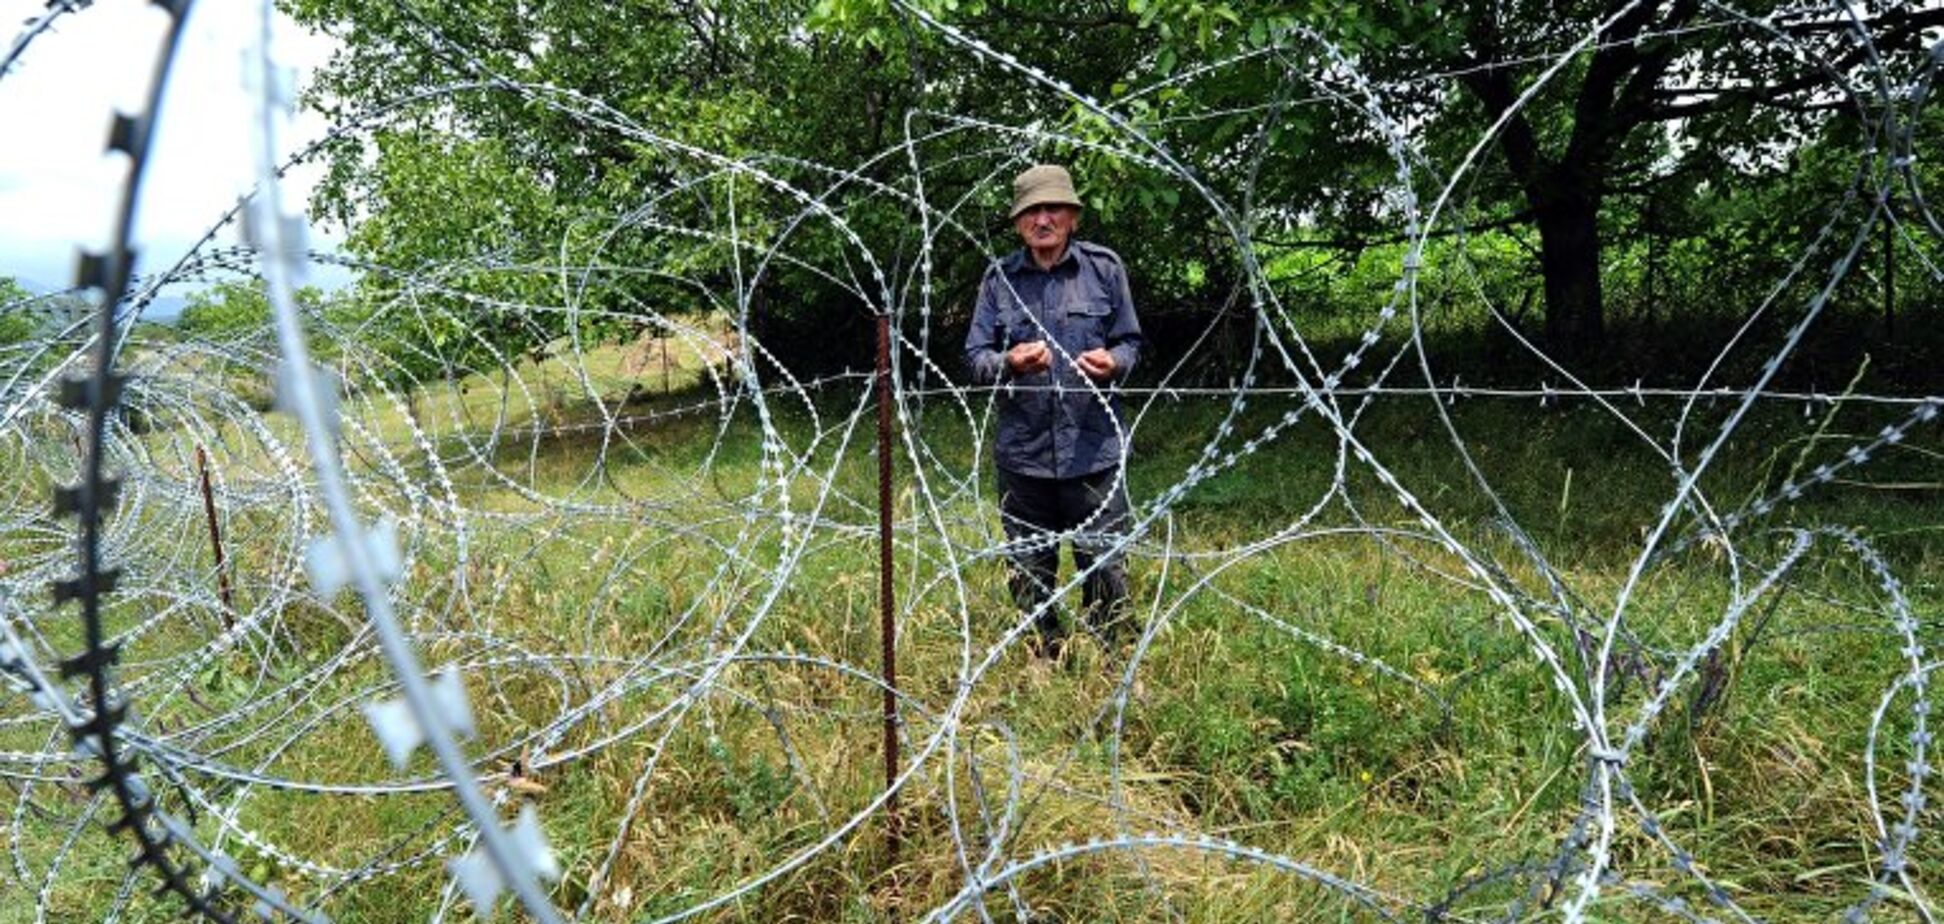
point(1021, 260)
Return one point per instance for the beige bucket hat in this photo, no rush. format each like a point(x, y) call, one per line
point(1041, 185)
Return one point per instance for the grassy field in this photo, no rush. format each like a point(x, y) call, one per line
point(1324, 677)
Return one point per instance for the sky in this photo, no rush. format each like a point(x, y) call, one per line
point(59, 191)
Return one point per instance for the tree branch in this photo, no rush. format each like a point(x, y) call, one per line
point(1493, 87)
point(1109, 16)
point(1516, 219)
point(1635, 103)
point(1902, 26)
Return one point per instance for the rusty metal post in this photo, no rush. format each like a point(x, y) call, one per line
point(893, 835)
point(216, 540)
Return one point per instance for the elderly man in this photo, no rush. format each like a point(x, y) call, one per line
point(1055, 328)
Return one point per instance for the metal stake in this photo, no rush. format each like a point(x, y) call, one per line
point(893, 835)
point(216, 541)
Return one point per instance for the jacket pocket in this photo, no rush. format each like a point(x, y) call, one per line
point(1018, 327)
point(1087, 319)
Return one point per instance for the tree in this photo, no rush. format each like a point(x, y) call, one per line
point(696, 103)
point(239, 308)
point(227, 309)
point(1666, 92)
point(17, 322)
point(703, 110)
point(1729, 93)
point(25, 316)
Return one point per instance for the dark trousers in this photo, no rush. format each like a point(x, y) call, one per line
point(1034, 510)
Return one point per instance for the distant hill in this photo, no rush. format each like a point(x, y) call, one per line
point(163, 309)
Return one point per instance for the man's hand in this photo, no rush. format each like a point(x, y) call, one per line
point(1097, 364)
point(1028, 358)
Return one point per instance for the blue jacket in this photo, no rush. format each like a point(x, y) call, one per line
point(1058, 423)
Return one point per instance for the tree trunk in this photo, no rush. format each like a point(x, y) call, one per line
point(1569, 257)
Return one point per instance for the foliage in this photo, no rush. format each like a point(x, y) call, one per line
point(16, 323)
point(502, 178)
point(228, 308)
point(1598, 164)
point(239, 308)
point(1665, 99)
point(26, 318)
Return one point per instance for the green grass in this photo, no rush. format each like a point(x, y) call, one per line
point(1239, 729)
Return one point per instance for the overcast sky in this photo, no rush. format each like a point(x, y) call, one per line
point(58, 191)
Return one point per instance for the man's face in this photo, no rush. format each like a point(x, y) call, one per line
point(1045, 228)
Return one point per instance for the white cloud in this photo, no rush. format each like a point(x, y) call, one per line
point(59, 192)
